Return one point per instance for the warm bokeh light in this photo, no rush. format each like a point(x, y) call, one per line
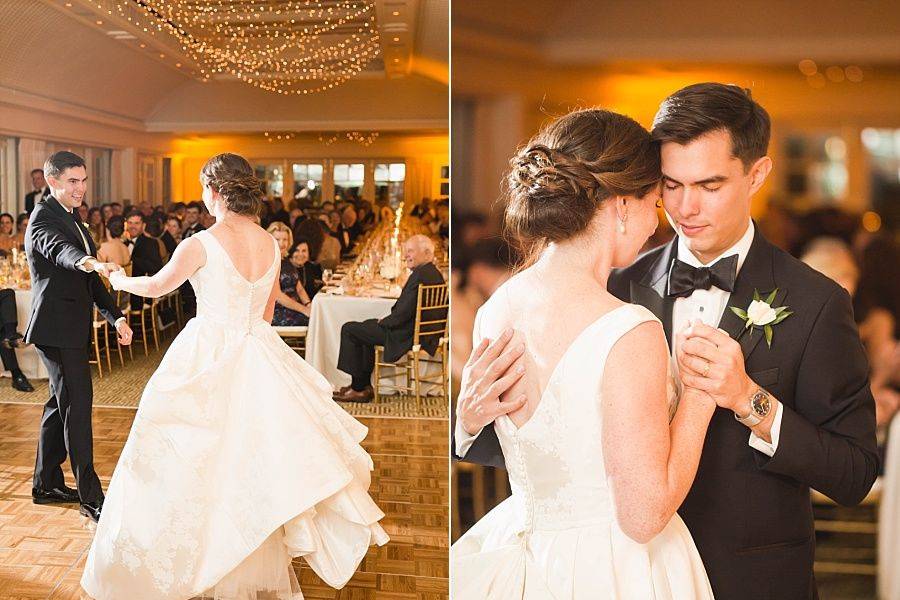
point(808, 67)
point(853, 74)
point(871, 221)
point(816, 81)
point(835, 74)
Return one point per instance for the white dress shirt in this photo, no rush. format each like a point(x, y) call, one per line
point(707, 306)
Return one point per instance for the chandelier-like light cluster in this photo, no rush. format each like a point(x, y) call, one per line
point(283, 46)
point(365, 139)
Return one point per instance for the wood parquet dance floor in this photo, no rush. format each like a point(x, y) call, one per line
point(43, 548)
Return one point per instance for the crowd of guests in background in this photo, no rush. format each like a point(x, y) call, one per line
point(831, 241)
point(313, 238)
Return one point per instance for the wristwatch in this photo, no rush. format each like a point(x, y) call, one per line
point(760, 405)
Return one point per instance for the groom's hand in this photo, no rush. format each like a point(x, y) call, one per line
point(711, 361)
point(124, 332)
point(492, 369)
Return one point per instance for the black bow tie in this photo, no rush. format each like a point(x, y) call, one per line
point(684, 279)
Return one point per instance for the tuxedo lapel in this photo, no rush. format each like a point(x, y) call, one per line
point(69, 221)
point(756, 274)
point(651, 291)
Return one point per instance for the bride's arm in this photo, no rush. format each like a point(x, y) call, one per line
point(650, 463)
point(189, 256)
point(273, 295)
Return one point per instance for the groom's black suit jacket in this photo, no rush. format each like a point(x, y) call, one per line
point(749, 514)
point(62, 295)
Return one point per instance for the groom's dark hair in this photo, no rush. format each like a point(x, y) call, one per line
point(704, 107)
point(58, 162)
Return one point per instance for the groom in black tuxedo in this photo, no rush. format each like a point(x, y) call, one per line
point(65, 287)
point(795, 409)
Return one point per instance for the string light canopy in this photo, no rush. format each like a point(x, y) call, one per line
point(363, 138)
point(282, 46)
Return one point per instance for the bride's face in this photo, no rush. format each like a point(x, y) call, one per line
point(640, 224)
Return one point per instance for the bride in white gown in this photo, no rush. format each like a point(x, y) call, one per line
point(596, 469)
point(238, 459)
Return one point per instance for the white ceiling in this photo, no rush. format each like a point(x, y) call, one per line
point(53, 56)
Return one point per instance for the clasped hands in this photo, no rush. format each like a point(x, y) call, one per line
point(110, 270)
point(712, 362)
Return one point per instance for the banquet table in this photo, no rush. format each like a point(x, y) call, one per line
point(29, 360)
point(323, 339)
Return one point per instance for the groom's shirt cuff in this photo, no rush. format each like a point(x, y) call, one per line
point(775, 432)
point(116, 324)
point(80, 264)
point(464, 439)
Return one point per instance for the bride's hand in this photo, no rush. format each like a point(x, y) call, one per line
point(117, 279)
point(491, 370)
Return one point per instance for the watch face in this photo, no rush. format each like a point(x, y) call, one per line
point(761, 403)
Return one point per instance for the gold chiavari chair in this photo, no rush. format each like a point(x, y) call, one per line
point(294, 336)
point(432, 307)
point(100, 342)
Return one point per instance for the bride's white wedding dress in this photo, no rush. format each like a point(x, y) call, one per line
point(238, 460)
point(557, 537)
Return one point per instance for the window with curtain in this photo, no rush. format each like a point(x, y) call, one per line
point(348, 181)
point(308, 183)
point(389, 180)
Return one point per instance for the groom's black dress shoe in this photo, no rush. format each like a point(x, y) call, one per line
point(21, 383)
point(59, 495)
point(91, 510)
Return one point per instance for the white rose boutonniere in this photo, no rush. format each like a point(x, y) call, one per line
point(760, 314)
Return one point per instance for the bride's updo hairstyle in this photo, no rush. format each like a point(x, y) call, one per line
point(232, 177)
point(560, 179)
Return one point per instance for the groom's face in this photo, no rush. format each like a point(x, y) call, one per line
point(707, 190)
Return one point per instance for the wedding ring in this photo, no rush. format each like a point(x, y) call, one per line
point(706, 370)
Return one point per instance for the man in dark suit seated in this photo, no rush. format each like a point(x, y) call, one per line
point(10, 339)
point(145, 256)
point(394, 332)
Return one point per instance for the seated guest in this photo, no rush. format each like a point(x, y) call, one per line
point(296, 216)
point(117, 209)
point(394, 332)
point(154, 228)
point(172, 235)
point(289, 310)
point(300, 280)
point(21, 226)
point(7, 237)
point(94, 221)
point(106, 211)
point(10, 339)
point(279, 214)
point(329, 255)
point(112, 249)
point(208, 219)
point(146, 258)
point(192, 223)
point(283, 235)
point(350, 223)
point(365, 217)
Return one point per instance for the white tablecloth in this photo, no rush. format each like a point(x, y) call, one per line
point(328, 315)
point(29, 360)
